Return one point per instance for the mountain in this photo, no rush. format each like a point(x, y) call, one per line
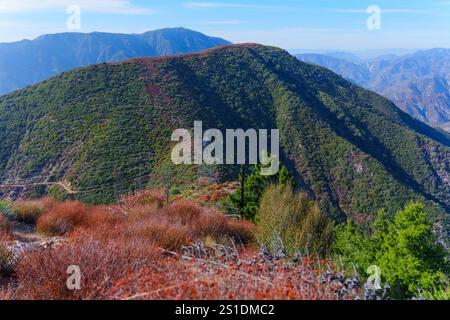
point(351, 70)
point(27, 62)
point(418, 83)
point(103, 128)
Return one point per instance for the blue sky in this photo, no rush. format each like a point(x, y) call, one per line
point(290, 24)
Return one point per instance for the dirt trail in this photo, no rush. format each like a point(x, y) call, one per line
point(61, 184)
point(27, 238)
point(27, 234)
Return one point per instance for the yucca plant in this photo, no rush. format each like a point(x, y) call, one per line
point(6, 210)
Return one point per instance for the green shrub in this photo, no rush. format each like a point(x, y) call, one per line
point(291, 221)
point(353, 247)
point(437, 294)
point(6, 211)
point(174, 191)
point(404, 248)
point(409, 256)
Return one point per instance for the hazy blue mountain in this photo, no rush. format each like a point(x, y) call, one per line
point(348, 56)
point(30, 61)
point(418, 83)
point(357, 73)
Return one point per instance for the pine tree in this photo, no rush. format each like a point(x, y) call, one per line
point(253, 185)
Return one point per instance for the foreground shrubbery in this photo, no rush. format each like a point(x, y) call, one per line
point(168, 226)
point(139, 250)
point(42, 274)
point(404, 247)
point(6, 255)
point(29, 211)
point(289, 222)
point(65, 217)
point(143, 248)
point(5, 227)
point(136, 268)
point(252, 277)
point(111, 243)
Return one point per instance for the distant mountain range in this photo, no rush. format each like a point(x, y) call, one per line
point(31, 61)
point(104, 129)
point(417, 83)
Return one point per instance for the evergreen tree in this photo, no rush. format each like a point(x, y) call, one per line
point(409, 256)
point(404, 247)
point(253, 185)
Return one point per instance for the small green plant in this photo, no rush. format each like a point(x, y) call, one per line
point(353, 247)
point(175, 191)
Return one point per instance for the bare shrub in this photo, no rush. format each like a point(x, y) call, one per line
point(42, 274)
point(62, 218)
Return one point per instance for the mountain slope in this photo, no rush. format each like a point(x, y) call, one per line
point(27, 62)
point(418, 84)
point(350, 70)
point(102, 127)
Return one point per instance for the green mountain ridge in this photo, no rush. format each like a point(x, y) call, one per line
point(106, 128)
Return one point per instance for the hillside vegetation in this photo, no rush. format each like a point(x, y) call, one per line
point(146, 248)
point(105, 129)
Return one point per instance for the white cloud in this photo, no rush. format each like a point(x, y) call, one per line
point(100, 6)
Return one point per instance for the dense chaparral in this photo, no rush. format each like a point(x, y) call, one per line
point(143, 249)
point(147, 248)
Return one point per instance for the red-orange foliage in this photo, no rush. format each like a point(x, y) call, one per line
point(173, 278)
point(174, 225)
point(215, 197)
point(130, 252)
point(42, 274)
point(204, 198)
point(62, 218)
point(145, 197)
point(108, 245)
